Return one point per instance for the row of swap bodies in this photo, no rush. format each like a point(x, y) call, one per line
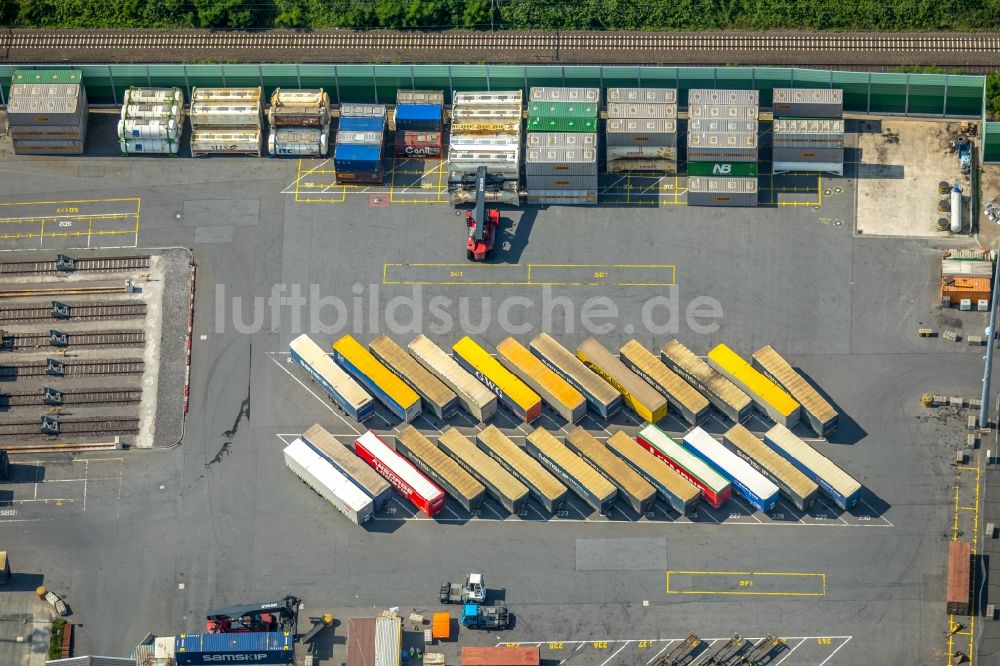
point(523, 378)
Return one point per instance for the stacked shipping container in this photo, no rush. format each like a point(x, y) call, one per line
point(485, 131)
point(419, 123)
point(47, 112)
point(357, 157)
point(641, 134)
point(226, 121)
point(300, 123)
point(560, 162)
point(152, 121)
point(722, 133)
point(808, 130)
point(966, 275)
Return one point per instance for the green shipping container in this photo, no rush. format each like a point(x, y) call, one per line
point(723, 169)
point(562, 110)
point(562, 124)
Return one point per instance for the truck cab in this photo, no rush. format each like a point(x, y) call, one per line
point(475, 588)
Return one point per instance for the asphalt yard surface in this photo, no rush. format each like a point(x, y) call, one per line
point(165, 535)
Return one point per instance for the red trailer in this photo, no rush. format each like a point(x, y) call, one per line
point(404, 477)
point(715, 489)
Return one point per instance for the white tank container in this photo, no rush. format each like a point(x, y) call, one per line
point(220, 95)
point(151, 111)
point(154, 96)
point(956, 209)
point(148, 146)
point(226, 141)
point(225, 115)
point(148, 129)
point(298, 142)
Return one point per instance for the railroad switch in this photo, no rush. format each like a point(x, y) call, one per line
point(50, 425)
point(58, 338)
point(52, 396)
point(55, 367)
point(60, 310)
point(64, 262)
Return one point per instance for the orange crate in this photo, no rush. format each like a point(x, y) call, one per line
point(441, 626)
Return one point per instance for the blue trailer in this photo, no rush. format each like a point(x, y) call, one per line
point(344, 391)
point(837, 484)
point(234, 648)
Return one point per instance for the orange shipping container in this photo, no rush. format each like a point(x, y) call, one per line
point(441, 626)
point(957, 288)
point(501, 656)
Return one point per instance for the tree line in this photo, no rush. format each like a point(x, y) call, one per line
point(881, 15)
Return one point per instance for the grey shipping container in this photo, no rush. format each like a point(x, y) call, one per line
point(719, 96)
point(360, 138)
point(67, 107)
point(642, 164)
point(36, 147)
point(651, 132)
point(618, 110)
point(420, 97)
point(560, 162)
point(643, 95)
point(734, 192)
point(640, 152)
point(48, 132)
point(787, 154)
point(562, 197)
point(547, 94)
point(722, 126)
point(511, 493)
point(491, 98)
point(553, 182)
point(802, 141)
point(478, 400)
point(362, 110)
point(836, 168)
point(561, 140)
point(722, 141)
point(723, 111)
point(819, 127)
point(808, 102)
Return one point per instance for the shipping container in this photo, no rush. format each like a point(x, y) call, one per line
point(46, 97)
point(511, 391)
point(148, 146)
point(206, 115)
point(485, 114)
point(265, 648)
point(668, 167)
point(359, 138)
point(404, 477)
point(723, 169)
point(722, 192)
point(808, 102)
point(492, 98)
point(441, 469)
point(343, 390)
point(497, 161)
point(389, 389)
point(358, 163)
point(561, 197)
point(598, 492)
point(225, 141)
point(361, 641)
point(560, 162)
point(55, 147)
point(473, 142)
point(640, 132)
point(837, 484)
point(722, 111)
point(298, 141)
point(388, 640)
point(692, 405)
point(420, 97)
point(714, 488)
point(546, 489)
point(350, 110)
point(561, 140)
point(959, 577)
point(437, 397)
point(537, 124)
point(322, 476)
point(562, 110)
point(737, 143)
point(505, 655)
point(810, 155)
point(600, 395)
point(418, 117)
point(769, 398)
point(475, 398)
point(225, 95)
point(821, 416)
point(679, 493)
point(964, 267)
point(361, 124)
point(485, 127)
point(819, 129)
point(638, 395)
point(642, 95)
point(728, 398)
point(299, 108)
point(795, 485)
point(349, 464)
point(538, 183)
point(958, 288)
point(154, 96)
point(147, 129)
point(631, 110)
point(418, 145)
point(718, 96)
point(721, 126)
point(558, 393)
point(152, 111)
point(748, 482)
point(502, 485)
point(632, 488)
point(640, 152)
point(834, 168)
point(548, 94)
point(48, 133)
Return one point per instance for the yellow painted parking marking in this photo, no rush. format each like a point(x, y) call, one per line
point(71, 219)
point(749, 583)
point(795, 189)
point(638, 189)
point(963, 475)
point(562, 275)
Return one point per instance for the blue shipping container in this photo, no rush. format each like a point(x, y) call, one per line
point(362, 125)
point(418, 117)
point(358, 159)
point(244, 648)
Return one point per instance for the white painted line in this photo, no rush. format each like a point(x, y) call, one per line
point(86, 469)
point(789, 653)
point(324, 402)
point(445, 508)
point(846, 641)
point(492, 510)
point(615, 653)
point(656, 656)
point(883, 518)
point(708, 648)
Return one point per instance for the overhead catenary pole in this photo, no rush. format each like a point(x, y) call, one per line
point(984, 407)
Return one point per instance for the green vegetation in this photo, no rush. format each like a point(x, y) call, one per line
point(56, 638)
point(513, 14)
point(993, 97)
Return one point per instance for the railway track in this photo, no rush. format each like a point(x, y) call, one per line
point(79, 398)
point(503, 46)
point(12, 371)
point(97, 265)
point(77, 312)
point(98, 426)
point(95, 339)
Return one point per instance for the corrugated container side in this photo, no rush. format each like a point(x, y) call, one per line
point(708, 184)
point(720, 96)
point(361, 641)
point(361, 124)
point(536, 182)
point(723, 111)
point(225, 141)
point(562, 110)
point(328, 482)
point(567, 94)
point(835, 168)
point(726, 396)
point(642, 95)
point(714, 488)
point(440, 468)
point(573, 470)
point(635, 110)
point(668, 167)
point(490, 98)
point(638, 395)
point(501, 656)
point(441, 400)
point(959, 577)
point(556, 391)
point(807, 155)
point(600, 395)
point(391, 391)
point(747, 481)
point(641, 152)
point(338, 384)
point(722, 126)
point(821, 415)
point(635, 490)
point(796, 486)
point(692, 405)
point(349, 464)
point(351, 110)
point(503, 486)
point(561, 124)
point(562, 197)
point(546, 489)
point(388, 639)
point(475, 398)
point(561, 140)
point(768, 396)
point(420, 97)
point(837, 484)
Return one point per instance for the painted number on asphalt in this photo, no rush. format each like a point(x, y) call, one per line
point(825, 641)
point(512, 645)
point(645, 644)
point(600, 274)
point(556, 646)
point(746, 583)
point(600, 645)
point(456, 274)
point(8, 513)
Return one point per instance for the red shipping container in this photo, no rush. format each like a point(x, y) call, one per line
point(418, 145)
point(501, 656)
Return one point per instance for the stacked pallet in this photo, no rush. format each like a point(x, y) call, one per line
point(360, 137)
point(47, 112)
point(808, 130)
point(722, 147)
point(226, 121)
point(641, 134)
point(485, 131)
point(152, 121)
point(418, 121)
point(299, 122)
point(561, 159)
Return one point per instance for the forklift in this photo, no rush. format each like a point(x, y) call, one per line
point(482, 224)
